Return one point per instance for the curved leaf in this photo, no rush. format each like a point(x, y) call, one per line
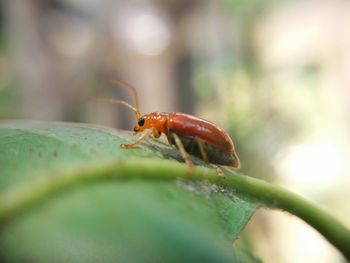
point(108, 221)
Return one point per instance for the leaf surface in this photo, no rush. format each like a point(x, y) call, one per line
point(111, 221)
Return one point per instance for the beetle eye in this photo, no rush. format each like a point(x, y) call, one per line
point(141, 121)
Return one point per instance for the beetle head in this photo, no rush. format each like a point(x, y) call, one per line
point(155, 120)
point(142, 124)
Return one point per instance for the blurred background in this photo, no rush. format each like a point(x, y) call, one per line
point(273, 73)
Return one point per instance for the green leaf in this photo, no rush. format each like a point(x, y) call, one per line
point(51, 210)
point(132, 205)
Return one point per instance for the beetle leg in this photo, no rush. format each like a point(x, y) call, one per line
point(142, 137)
point(182, 150)
point(217, 169)
point(205, 157)
point(155, 133)
point(201, 150)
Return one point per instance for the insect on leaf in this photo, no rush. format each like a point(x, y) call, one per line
point(136, 220)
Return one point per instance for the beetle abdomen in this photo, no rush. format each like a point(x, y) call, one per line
point(190, 126)
point(215, 155)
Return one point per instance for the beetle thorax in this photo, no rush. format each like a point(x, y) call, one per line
point(155, 120)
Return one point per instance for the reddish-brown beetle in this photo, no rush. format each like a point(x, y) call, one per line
point(188, 133)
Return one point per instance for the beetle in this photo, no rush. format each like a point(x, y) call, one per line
point(190, 134)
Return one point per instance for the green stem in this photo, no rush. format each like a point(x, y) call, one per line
point(19, 199)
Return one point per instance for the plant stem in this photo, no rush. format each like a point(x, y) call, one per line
point(18, 200)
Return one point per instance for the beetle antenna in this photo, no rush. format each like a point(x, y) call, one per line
point(130, 87)
point(114, 101)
